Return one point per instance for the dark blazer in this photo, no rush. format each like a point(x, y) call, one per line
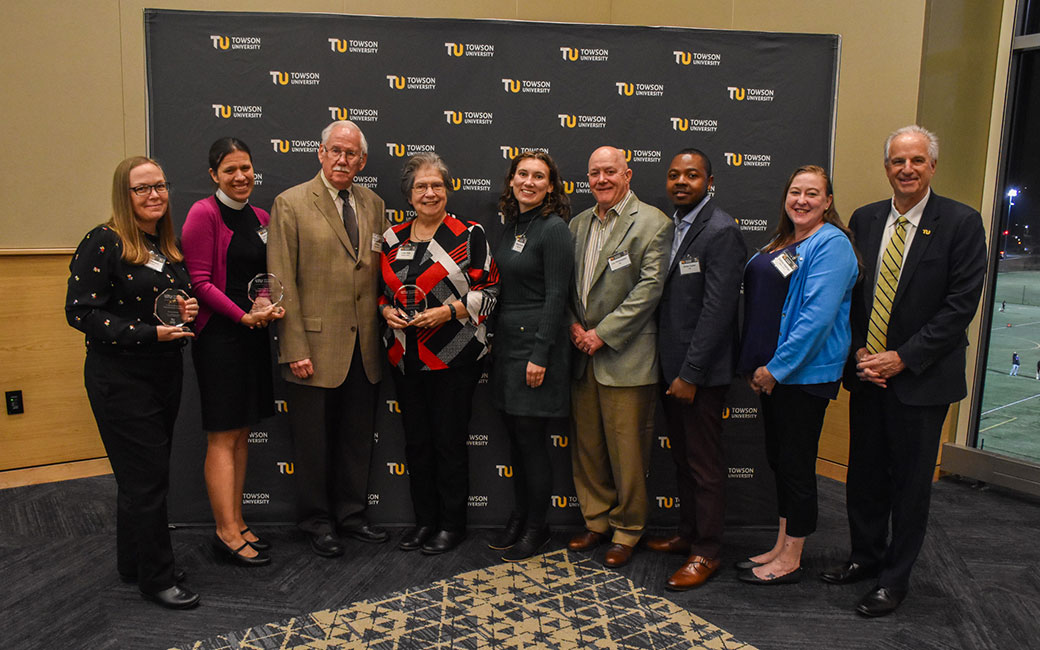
point(939, 289)
point(697, 330)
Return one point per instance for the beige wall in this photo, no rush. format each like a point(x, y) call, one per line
point(74, 105)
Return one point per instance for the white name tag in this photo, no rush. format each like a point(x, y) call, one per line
point(785, 263)
point(518, 244)
point(155, 261)
point(377, 243)
point(406, 252)
point(262, 232)
point(619, 261)
point(689, 265)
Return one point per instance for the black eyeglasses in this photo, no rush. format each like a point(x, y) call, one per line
point(145, 190)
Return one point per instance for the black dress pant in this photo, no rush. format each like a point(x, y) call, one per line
point(532, 467)
point(435, 410)
point(892, 454)
point(695, 434)
point(332, 430)
point(135, 400)
point(793, 420)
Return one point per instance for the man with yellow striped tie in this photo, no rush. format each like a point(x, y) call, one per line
point(924, 259)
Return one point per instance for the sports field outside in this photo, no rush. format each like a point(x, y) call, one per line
point(1010, 421)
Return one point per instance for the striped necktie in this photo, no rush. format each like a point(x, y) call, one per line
point(885, 292)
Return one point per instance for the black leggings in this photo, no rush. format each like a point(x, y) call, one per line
point(532, 469)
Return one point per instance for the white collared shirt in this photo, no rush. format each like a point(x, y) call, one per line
point(913, 215)
point(334, 193)
point(230, 202)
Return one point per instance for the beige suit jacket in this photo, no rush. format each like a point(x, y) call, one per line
point(622, 302)
point(330, 292)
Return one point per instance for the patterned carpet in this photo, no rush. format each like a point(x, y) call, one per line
point(550, 602)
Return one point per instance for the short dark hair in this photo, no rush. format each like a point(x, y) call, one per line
point(697, 152)
point(222, 147)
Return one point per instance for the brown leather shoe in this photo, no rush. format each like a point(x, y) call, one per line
point(618, 555)
point(586, 540)
point(694, 573)
point(673, 544)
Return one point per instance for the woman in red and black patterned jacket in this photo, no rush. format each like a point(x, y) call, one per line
point(434, 346)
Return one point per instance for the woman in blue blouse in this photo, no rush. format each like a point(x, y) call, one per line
point(797, 292)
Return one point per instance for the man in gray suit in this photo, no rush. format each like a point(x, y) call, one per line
point(621, 255)
point(697, 343)
point(324, 242)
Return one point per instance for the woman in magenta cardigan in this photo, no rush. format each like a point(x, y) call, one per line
point(224, 241)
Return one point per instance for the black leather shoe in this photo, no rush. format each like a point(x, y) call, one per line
point(507, 536)
point(259, 543)
point(791, 578)
point(176, 597)
point(326, 545)
point(848, 573)
point(414, 538)
point(530, 544)
point(443, 541)
point(235, 554)
point(367, 533)
point(881, 601)
point(179, 575)
point(744, 565)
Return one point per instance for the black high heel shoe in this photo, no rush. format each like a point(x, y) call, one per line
point(259, 543)
point(235, 555)
point(508, 535)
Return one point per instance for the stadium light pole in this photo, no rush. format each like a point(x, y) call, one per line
point(1011, 194)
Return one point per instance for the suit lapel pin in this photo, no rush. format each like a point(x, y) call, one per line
point(925, 231)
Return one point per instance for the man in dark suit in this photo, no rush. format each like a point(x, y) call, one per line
point(924, 262)
point(696, 344)
point(620, 254)
point(324, 243)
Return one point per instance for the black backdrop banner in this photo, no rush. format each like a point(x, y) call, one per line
point(479, 92)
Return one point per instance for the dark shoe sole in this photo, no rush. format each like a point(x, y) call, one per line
point(791, 578)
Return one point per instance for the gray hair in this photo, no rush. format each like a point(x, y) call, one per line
point(417, 162)
point(913, 129)
point(346, 124)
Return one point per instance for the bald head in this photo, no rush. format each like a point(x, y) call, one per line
point(609, 177)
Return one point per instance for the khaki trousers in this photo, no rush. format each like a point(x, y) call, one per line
point(613, 429)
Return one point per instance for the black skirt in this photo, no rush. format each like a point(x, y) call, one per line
point(233, 367)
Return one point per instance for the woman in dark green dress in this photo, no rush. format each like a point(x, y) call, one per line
point(531, 371)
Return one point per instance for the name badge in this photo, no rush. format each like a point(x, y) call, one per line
point(406, 252)
point(619, 261)
point(689, 265)
point(377, 244)
point(262, 233)
point(518, 245)
point(155, 261)
point(785, 263)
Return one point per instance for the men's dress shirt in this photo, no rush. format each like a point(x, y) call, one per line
point(913, 216)
point(682, 224)
point(334, 193)
point(599, 231)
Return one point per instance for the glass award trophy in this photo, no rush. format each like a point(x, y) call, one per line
point(409, 299)
point(265, 290)
point(168, 308)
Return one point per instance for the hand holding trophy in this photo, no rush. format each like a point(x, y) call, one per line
point(266, 292)
point(409, 300)
point(174, 309)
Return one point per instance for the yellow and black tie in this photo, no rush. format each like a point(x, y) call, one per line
point(885, 292)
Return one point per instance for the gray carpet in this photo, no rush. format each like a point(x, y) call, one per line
point(976, 585)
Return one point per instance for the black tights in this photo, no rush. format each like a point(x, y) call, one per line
point(532, 470)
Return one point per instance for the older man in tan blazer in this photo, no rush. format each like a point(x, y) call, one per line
point(621, 258)
point(324, 242)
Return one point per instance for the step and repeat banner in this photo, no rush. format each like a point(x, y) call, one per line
point(477, 93)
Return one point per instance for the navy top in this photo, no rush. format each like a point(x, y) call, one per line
point(765, 291)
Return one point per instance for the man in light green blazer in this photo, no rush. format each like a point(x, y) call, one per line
point(621, 258)
point(324, 242)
